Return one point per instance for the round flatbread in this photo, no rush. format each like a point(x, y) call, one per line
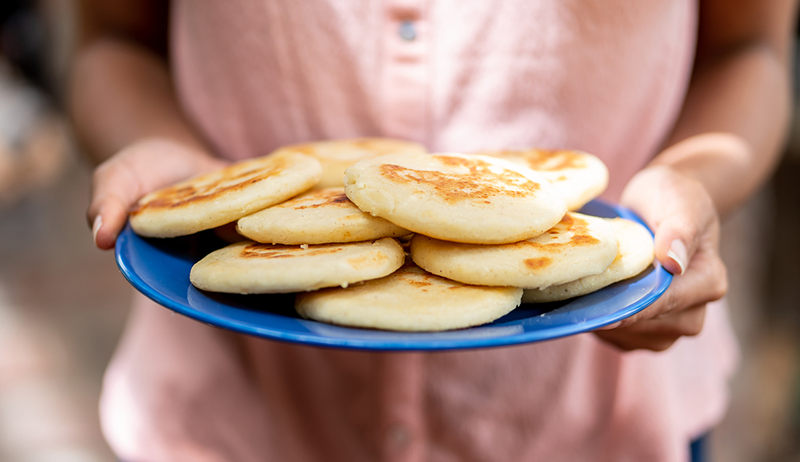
point(316, 217)
point(579, 245)
point(410, 299)
point(251, 268)
point(224, 196)
point(456, 197)
point(577, 176)
point(336, 155)
point(635, 254)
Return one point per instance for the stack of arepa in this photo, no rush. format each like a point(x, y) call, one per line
point(407, 240)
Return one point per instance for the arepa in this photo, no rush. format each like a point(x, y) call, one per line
point(579, 245)
point(577, 176)
point(336, 155)
point(251, 268)
point(456, 197)
point(635, 254)
point(409, 299)
point(223, 196)
point(317, 217)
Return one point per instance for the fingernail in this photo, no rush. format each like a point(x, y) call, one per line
point(98, 223)
point(677, 252)
point(610, 326)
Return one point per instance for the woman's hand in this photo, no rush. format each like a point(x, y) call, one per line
point(686, 226)
point(138, 169)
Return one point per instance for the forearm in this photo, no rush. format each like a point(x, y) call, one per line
point(733, 123)
point(128, 119)
point(122, 93)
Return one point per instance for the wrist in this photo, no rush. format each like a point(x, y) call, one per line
point(723, 163)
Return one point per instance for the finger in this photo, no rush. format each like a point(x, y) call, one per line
point(677, 209)
point(141, 168)
point(705, 281)
point(108, 219)
point(657, 334)
point(114, 190)
point(631, 342)
point(679, 235)
point(687, 322)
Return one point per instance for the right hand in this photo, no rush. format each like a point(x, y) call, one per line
point(136, 170)
point(684, 218)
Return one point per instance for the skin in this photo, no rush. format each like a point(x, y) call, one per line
point(724, 146)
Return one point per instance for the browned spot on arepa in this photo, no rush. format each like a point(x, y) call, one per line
point(477, 183)
point(538, 263)
point(324, 198)
point(268, 251)
point(209, 187)
point(577, 227)
point(363, 261)
point(417, 283)
point(544, 159)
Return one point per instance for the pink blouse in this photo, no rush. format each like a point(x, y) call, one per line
point(604, 77)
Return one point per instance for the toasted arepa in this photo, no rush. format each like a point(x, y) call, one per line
point(456, 197)
point(251, 268)
point(317, 217)
point(579, 245)
point(409, 299)
point(223, 196)
point(635, 254)
point(577, 176)
point(336, 155)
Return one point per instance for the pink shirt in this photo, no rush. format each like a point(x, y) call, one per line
point(604, 77)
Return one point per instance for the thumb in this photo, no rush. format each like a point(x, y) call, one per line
point(686, 226)
point(107, 221)
point(678, 210)
point(114, 191)
point(675, 243)
point(133, 172)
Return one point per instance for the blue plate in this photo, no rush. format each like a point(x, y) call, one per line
point(159, 268)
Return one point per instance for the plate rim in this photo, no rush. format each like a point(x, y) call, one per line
point(420, 344)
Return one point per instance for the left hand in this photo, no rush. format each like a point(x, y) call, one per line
point(686, 227)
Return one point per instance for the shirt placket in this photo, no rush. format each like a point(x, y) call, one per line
point(404, 75)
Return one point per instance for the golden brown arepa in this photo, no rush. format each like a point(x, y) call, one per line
point(410, 299)
point(634, 255)
point(579, 245)
point(336, 155)
point(317, 217)
point(251, 268)
point(578, 176)
point(456, 197)
point(224, 195)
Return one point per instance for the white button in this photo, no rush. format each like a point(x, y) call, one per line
point(408, 31)
point(398, 435)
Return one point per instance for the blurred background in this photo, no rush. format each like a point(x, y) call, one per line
point(63, 303)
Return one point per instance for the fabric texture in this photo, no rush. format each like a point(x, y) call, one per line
point(605, 77)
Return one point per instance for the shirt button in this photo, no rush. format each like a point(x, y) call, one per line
point(398, 436)
point(407, 31)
